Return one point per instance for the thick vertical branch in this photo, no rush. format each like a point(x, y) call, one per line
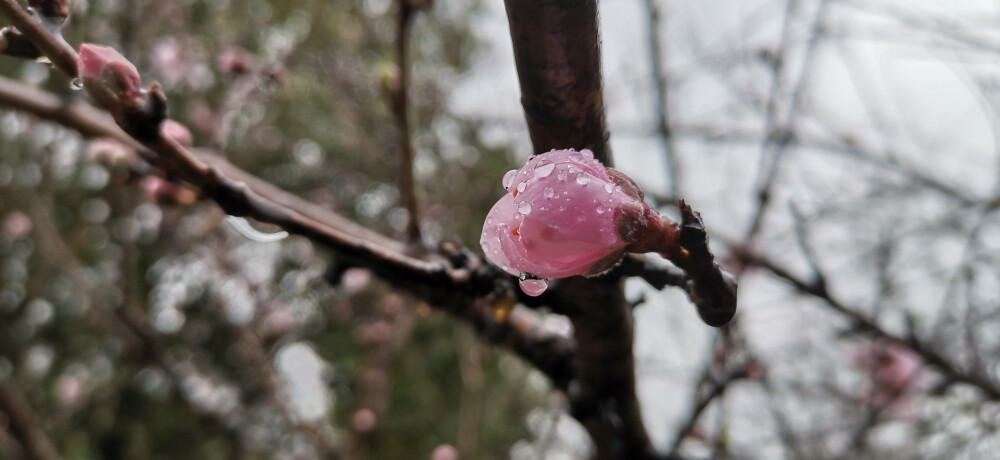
point(557, 51)
point(400, 107)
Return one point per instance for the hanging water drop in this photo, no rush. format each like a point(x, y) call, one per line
point(532, 285)
point(508, 178)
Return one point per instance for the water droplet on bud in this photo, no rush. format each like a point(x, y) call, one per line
point(524, 208)
point(532, 285)
point(508, 178)
point(583, 178)
point(76, 84)
point(562, 174)
point(544, 170)
point(548, 192)
point(521, 187)
point(608, 187)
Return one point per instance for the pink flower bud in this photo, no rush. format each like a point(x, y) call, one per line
point(107, 76)
point(566, 214)
point(176, 131)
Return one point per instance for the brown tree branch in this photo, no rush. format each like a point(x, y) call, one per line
point(52, 46)
point(400, 108)
point(24, 423)
point(557, 52)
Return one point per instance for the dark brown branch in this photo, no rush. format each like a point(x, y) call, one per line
point(54, 47)
point(400, 108)
point(709, 287)
point(557, 52)
point(24, 423)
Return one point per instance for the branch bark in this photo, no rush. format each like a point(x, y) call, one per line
point(25, 424)
point(52, 46)
point(557, 52)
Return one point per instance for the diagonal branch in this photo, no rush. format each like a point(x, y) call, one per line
point(25, 424)
point(452, 288)
point(989, 387)
point(52, 46)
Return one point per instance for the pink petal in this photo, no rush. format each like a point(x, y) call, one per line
point(501, 213)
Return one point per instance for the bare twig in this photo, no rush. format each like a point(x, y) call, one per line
point(25, 424)
point(54, 47)
point(864, 324)
point(660, 90)
point(454, 289)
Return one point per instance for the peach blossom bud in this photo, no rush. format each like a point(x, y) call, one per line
point(107, 76)
point(564, 214)
point(176, 131)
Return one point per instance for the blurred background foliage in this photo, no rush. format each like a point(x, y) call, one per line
point(142, 327)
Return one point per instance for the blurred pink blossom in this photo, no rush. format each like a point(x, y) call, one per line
point(164, 191)
point(70, 391)
point(168, 61)
point(364, 420)
point(16, 225)
point(235, 60)
point(566, 214)
point(110, 152)
point(444, 452)
point(893, 371)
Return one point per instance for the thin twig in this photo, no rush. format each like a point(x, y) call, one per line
point(54, 47)
point(662, 106)
point(864, 324)
point(25, 424)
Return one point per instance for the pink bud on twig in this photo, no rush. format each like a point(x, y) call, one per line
point(566, 214)
point(107, 76)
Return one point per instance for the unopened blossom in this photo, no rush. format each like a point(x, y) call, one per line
point(107, 76)
point(566, 214)
point(176, 131)
point(166, 192)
